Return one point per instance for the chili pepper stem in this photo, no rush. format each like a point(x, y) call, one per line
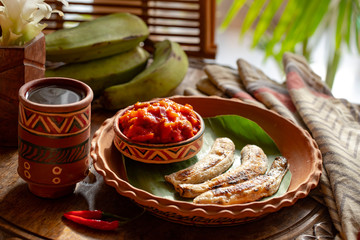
point(114, 216)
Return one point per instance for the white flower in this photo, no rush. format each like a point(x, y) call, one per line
point(20, 20)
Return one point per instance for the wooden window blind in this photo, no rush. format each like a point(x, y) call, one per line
point(191, 23)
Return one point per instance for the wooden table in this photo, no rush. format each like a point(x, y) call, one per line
point(25, 216)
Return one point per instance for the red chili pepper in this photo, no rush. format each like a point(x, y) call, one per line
point(96, 219)
point(93, 223)
point(91, 214)
point(96, 214)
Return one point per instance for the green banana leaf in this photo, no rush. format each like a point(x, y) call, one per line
point(242, 131)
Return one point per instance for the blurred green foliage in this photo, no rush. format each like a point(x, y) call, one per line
point(278, 26)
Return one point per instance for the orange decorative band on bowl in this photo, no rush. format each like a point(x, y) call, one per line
point(159, 155)
point(55, 124)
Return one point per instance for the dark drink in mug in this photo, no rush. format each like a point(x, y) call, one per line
point(55, 95)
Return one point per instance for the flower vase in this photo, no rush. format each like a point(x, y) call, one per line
point(18, 65)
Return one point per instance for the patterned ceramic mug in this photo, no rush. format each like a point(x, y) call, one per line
point(54, 135)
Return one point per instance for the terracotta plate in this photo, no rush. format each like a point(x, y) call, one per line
point(293, 142)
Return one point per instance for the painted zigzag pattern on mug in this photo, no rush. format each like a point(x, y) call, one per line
point(54, 123)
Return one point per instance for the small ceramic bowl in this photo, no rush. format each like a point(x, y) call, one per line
point(157, 152)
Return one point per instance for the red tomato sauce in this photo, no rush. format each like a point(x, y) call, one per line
point(164, 121)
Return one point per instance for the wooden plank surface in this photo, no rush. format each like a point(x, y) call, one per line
point(29, 217)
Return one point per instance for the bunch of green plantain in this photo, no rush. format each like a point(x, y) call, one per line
point(106, 54)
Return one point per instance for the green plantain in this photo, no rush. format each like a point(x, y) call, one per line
point(102, 37)
point(165, 73)
point(105, 72)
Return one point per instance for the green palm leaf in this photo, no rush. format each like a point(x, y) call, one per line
point(265, 20)
point(340, 22)
point(305, 24)
point(357, 28)
point(283, 30)
point(233, 10)
point(349, 23)
point(291, 11)
point(252, 15)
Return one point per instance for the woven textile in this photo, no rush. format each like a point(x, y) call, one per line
point(333, 123)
